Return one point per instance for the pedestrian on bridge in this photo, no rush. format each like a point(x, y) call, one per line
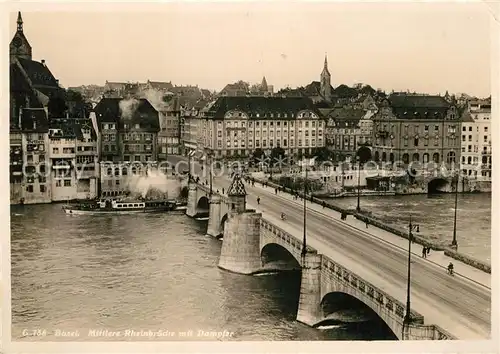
point(424, 252)
point(222, 190)
point(275, 190)
point(258, 200)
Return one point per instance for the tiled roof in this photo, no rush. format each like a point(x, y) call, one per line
point(108, 110)
point(466, 117)
point(161, 85)
point(261, 105)
point(344, 91)
point(346, 114)
point(417, 101)
point(38, 73)
point(72, 127)
point(236, 189)
point(34, 120)
point(418, 106)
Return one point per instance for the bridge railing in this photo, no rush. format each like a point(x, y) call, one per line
point(343, 275)
point(285, 236)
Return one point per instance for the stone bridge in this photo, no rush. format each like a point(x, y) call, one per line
point(252, 245)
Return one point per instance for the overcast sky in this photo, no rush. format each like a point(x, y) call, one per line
point(430, 47)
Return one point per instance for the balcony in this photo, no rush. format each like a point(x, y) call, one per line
point(485, 167)
point(486, 153)
point(382, 134)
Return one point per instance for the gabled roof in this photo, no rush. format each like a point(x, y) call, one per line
point(71, 127)
point(264, 106)
point(161, 85)
point(142, 112)
point(38, 73)
point(236, 189)
point(346, 114)
point(34, 120)
point(466, 117)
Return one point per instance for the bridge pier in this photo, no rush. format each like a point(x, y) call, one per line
point(191, 203)
point(309, 311)
point(240, 251)
point(214, 221)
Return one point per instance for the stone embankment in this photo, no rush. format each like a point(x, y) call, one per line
point(366, 217)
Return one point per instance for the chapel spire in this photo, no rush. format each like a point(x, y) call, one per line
point(19, 22)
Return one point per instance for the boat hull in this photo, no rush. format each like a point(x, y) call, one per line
point(97, 211)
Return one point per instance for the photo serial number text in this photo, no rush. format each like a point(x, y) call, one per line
point(131, 333)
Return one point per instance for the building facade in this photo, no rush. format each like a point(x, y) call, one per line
point(346, 131)
point(170, 133)
point(73, 159)
point(128, 130)
point(476, 140)
point(416, 128)
point(236, 126)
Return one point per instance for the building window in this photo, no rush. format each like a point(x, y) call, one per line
point(42, 188)
point(67, 183)
point(415, 142)
point(29, 188)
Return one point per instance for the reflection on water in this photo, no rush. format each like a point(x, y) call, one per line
point(435, 214)
point(145, 272)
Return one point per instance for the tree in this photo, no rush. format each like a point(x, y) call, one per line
point(277, 153)
point(323, 154)
point(257, 154)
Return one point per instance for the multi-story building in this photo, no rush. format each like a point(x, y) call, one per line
point(29, 172)
point(190, 119)
point(35, 96)
point(416, 128)
point(476, 140)
point(170, 133)
point(128, 130)
point(236, 126)
point(73, 159)
point(344, 133)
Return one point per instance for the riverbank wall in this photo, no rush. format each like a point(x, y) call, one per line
point(367, 217)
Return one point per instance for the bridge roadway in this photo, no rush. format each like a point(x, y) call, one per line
point(456, 304)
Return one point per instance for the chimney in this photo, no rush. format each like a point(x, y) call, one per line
point(43, 62)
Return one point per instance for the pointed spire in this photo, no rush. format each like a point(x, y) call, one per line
point(326, 62)
point(19, 22)
point(263, 85)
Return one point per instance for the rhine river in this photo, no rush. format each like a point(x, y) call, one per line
point(435, 214)
point(149, 272)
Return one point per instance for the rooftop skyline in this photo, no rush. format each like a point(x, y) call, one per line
point(429, 48)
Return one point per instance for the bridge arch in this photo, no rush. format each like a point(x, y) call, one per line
point(341, 307)
point(276, 257)
point(223, 222)
point(437, 185)
point(203, 205)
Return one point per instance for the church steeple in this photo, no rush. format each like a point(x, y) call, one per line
point(19, 22)
point(263, 85)
point(325, 81)
point(19, 46)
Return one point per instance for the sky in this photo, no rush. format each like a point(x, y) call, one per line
point(425, 47)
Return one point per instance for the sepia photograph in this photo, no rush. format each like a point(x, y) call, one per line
point(249, 171)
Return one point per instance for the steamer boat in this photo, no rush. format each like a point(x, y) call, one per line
point(123, 206)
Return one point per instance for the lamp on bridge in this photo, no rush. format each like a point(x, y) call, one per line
point(363, 155)
point(411, 227)
point(454, 243)
point(208, 155)
point(304, 241)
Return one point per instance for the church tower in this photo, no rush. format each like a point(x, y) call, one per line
point(19, 46)
point(263, 85)
point(325, 85)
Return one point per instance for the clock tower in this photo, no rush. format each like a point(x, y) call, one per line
point(19, 46)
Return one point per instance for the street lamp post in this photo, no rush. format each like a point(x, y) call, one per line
point(358, 209)
point(189, 165)
point(454, 243)
point(407, 319)
point(304, 245)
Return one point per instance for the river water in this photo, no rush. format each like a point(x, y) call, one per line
point(147, 272)
point(435, 214)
